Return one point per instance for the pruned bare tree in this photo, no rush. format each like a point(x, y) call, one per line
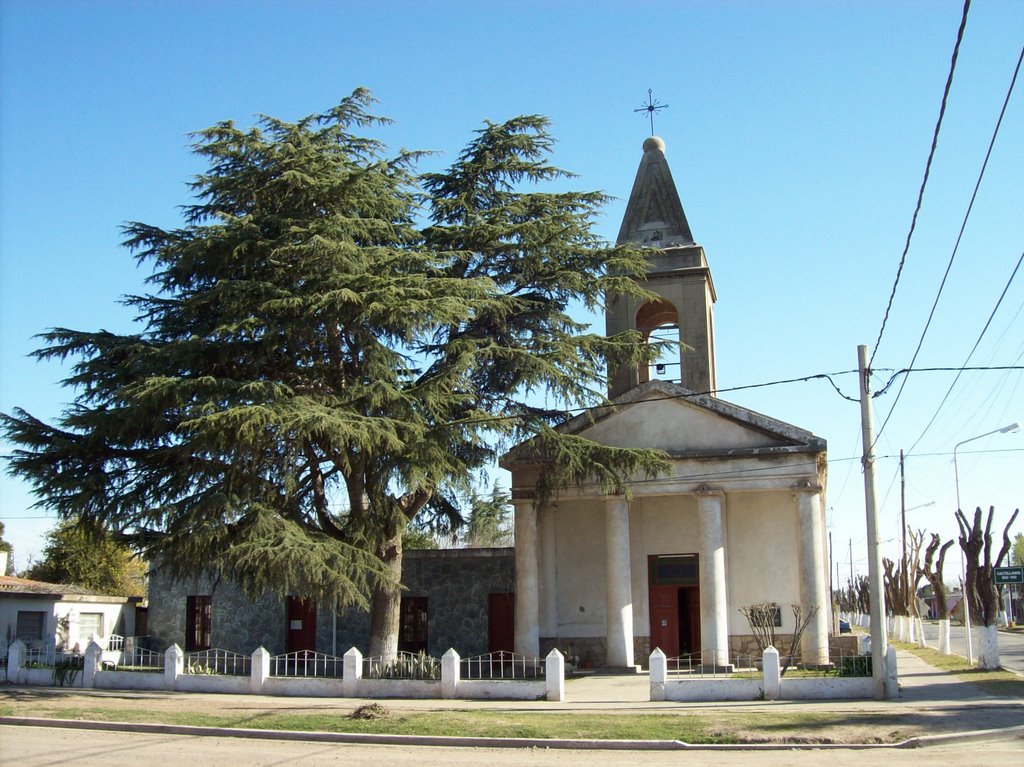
point(761, 618)
point(914, 576)
point(932, 570)
point(982, 595)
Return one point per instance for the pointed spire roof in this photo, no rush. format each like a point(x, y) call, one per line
point(654, 214)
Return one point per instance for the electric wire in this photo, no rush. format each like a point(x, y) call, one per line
point(959, 238)
point(970, 354)
point(924, 181)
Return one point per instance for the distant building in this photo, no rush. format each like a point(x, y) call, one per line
point(61, 616)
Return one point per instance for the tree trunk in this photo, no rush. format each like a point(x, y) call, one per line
point(988, 653)
point(386, 602)
point(944, 636)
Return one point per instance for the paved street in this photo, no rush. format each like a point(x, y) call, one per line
point(35, 747)
point(1011, 646)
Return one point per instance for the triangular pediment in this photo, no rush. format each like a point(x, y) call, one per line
point(668, 417)
point(654, 214)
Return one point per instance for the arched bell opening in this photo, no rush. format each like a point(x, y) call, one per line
point(658, 322)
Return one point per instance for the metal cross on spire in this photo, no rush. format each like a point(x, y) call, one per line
point(651, 107)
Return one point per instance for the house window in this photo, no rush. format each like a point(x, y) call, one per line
point(412, 631)
point(197, 622)
point(88, 625)
point(30, 625)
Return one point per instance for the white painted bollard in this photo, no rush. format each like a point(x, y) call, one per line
point(771, 673)
point(174, 666)
point(16, 661)
point(892, 677)
point(260, 671)
point(554, 673)
point(659, 673)
point(353, 672)
point(450, 673)
point(91, 663)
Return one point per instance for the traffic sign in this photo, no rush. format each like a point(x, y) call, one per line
point(1003, 575)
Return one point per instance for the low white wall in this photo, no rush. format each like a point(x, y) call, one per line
point(259, 681)
point(239, 685)
point(770, 685)
point(507, 690)
point(44, 677)
point(714, 689)
point(128, 680)
point(398, 688)
point(304, 686)
point(824, 688)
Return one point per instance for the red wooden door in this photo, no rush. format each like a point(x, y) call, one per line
point(301, 624)
point(501, 626)
point(664, 609)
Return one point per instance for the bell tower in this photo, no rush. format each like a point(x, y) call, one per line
point(680, 277)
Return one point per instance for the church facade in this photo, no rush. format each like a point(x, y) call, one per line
point(738, 520)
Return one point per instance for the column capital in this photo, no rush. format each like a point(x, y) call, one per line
point(807, 486)
point(708, 491)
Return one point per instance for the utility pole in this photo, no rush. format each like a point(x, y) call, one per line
point(851, 561)
point(878, 638)
point(903, 520)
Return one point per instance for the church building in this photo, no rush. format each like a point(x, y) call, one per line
point(738, 520)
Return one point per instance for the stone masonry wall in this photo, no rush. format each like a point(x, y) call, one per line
point(456, 582)
point(238, 623)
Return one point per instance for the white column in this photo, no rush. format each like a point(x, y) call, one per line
point(527, 640)
point(618, 586)
point(547, 589)
point(714, 625)
point(813, 580)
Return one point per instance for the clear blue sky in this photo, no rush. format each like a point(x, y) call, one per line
point(797, 133)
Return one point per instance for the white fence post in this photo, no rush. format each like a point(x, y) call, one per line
point(353, 672)
point(260, 670)
point(174, 666)
point(892, 677)
point(554, 674)
point(772, 677)
point(15, 661)
point(91, 663)
point(449, 673)
point(659, 673)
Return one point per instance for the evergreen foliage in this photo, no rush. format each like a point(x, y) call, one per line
point(316, 368)
point(489, 522)
point(81, 555)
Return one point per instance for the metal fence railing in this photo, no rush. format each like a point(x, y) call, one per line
point(405, 666)
point(307, 663)
point(502, 665)
point(694, 665)
point(142, 660)
point(217, 661)
point(48, 657)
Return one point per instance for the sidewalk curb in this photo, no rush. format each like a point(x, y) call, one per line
point(1008, 733)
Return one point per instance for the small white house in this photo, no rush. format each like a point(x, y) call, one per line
point(60, 616)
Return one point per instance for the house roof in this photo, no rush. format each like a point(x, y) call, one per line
point(11, 586)
point(669, 417)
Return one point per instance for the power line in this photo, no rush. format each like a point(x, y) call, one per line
point(959, 237)
point(971, 353)
point(924, 181)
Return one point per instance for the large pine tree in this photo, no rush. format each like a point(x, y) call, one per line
point(316, 368)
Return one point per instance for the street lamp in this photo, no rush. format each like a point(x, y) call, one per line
point(956, 475)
